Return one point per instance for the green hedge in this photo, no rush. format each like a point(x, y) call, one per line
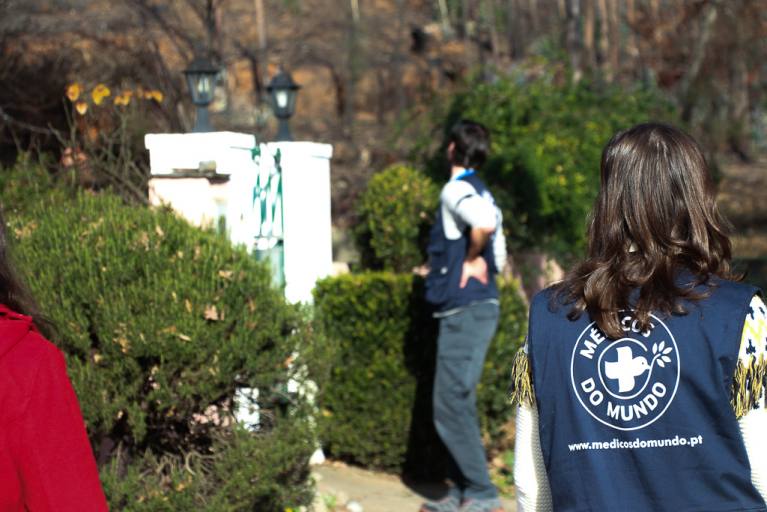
point(160, 322)
point(376, 406)
point(394, 215)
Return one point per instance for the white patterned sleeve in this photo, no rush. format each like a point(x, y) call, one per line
point(533, 491)
point(753, 422)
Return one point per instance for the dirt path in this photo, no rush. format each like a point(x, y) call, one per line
point(338, 485)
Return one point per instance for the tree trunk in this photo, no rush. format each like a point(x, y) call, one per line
point(655, 20)
point(465, 16)
point(535, 21)
point(613, 17)
point(696, 61)
point(521, 28)
point(260, 76)
point(740, 104)
point(511, 29)
point(444, 17)
point(604, 42)
point(574, 38)
point(353, 66)
point(495, 41)
point(589, 57)
point(631, 42)
point(399, 58)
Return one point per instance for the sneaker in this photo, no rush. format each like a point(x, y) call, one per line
point(446, 504)
point(475, 505)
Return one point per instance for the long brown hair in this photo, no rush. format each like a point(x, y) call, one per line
point(655, 215)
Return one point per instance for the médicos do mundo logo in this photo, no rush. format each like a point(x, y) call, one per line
point(628, 383)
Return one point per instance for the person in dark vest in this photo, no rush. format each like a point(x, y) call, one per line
point(641, 385)
point(466, 250)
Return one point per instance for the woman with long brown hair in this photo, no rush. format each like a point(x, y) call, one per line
point(641, 385)
point(46, 461)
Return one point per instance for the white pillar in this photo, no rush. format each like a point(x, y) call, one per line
point(306, 215)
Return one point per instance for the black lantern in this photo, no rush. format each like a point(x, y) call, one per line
point(201, 80)
point(282, 90)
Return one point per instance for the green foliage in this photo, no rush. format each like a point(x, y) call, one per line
point(243, 471)
point(376, 405)
point(547, 138)
point(395, 213)
point(160, 323)
point(27, 183)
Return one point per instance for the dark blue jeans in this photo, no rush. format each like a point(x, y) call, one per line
point(461, 348)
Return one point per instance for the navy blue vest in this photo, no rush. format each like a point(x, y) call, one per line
point(446, 259)
point(643, 423)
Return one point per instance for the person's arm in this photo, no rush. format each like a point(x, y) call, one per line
point(500, 252)
point(475, 266)
point(533, 490)
point(479, 214)
point(49, 443)
point(751, 404)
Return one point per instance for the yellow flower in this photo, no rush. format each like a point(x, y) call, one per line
point(123, 98)
point(154, 94)
point(100, 92)
point(81, 107)
point(73, 91)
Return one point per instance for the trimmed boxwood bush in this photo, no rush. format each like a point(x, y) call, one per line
point(160, 322)
point(376, 406)
point(394, 215)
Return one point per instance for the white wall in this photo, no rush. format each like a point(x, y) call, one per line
point(306, 195)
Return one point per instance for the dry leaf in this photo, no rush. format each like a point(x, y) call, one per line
point(159, 231)
point(188, 305)
point(143, 240)
point(124, 343)
point(226, 274)
point(211, 313)
point(184, 337)
point(26, 230)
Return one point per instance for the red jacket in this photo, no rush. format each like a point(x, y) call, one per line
point(46, 462)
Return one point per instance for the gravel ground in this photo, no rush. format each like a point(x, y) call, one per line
point(345, 488)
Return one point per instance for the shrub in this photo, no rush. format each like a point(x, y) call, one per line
point(547, 138)
point(160, 323)
point(376, 406)
point(394, 216)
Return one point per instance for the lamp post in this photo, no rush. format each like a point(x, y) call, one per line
point(282, 90)
point(201, 80)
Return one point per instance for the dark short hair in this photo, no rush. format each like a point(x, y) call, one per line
point(471, 144)
point(656, 195)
